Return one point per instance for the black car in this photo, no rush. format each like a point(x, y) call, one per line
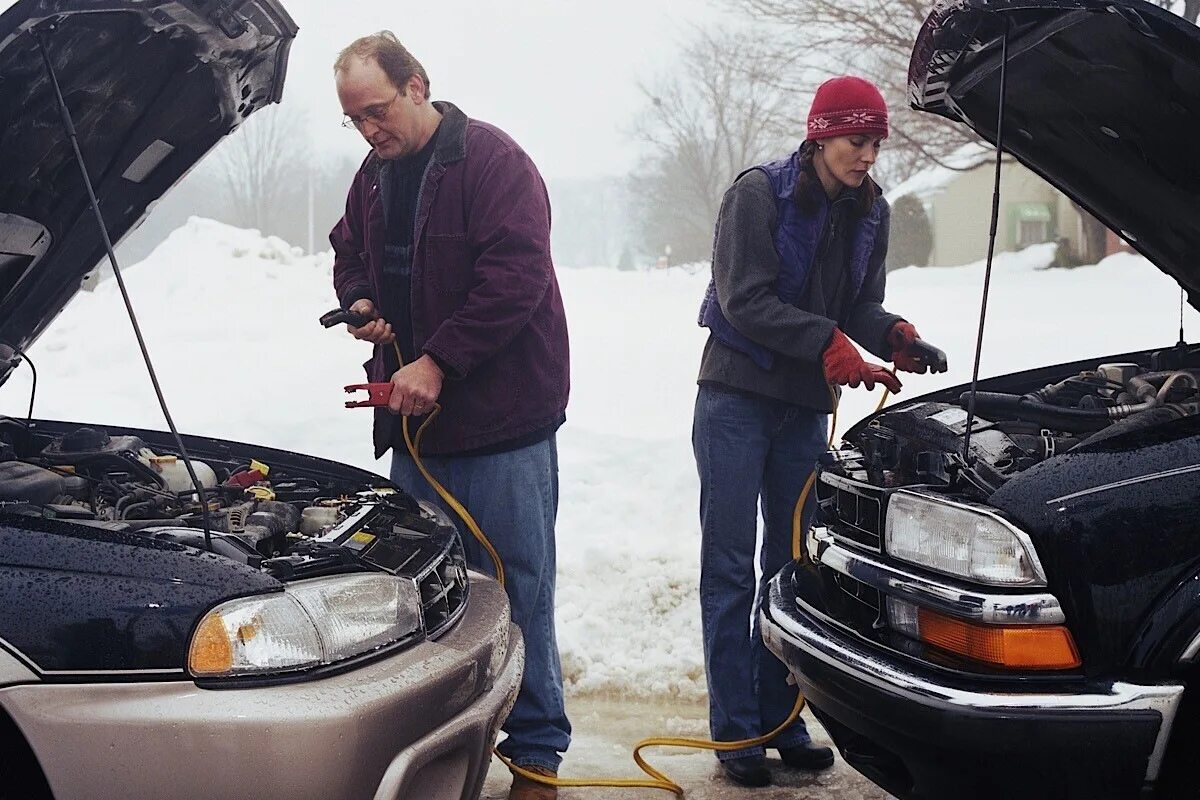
point(247, 623)
point(1013, 610)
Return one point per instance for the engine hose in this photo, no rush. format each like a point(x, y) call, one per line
point(1145, 388)
point(658, 780)
point(1162, 375)
point(1165, 391)
point(1051, 391)
point(136, 507)
point(1047, 392)
point(1142, 389)
point(1076, 420)
point(1151, 418)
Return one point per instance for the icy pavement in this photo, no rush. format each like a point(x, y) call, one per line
point(606, 731)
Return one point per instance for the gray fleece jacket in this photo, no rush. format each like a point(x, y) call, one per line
point(745, 268)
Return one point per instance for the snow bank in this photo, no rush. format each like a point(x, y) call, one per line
point(231, 321)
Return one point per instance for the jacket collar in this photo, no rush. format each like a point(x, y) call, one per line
point(451, 141)
point(452, 134)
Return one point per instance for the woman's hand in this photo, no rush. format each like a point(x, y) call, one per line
point(843, 366)
point(900, 337)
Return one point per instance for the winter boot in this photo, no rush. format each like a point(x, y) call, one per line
point(525, 789)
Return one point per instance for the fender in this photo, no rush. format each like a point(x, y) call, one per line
point(1167, 632)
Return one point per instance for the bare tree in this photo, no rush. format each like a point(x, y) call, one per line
point(819, 38)
point(872, 38)
point(722, 110)
point(263, 163)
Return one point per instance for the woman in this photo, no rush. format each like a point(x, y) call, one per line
point(798, 264)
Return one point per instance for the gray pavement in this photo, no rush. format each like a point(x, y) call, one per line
point(606, 730)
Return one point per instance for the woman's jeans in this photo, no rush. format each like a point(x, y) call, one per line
point(514, 498)
point(749, 449)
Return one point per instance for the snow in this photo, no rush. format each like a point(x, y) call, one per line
point(231, 322)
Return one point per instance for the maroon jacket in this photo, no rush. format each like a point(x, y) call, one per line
point(485, 301)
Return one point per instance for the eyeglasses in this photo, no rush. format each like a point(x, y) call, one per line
point(373, 114)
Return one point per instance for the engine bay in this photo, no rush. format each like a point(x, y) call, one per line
point(922, 443)
point(290, 520)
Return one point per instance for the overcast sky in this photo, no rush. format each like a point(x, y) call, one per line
point(559, 75)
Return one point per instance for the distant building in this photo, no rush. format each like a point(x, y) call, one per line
point(958, 203)
point(1115, 244)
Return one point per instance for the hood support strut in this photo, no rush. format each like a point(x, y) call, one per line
point(987, 275)
point(69, 127)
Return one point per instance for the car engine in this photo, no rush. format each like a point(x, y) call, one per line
point(290, 521)
point(923, 442)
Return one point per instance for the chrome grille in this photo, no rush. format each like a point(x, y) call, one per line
point(860, 592)
point(852, 511)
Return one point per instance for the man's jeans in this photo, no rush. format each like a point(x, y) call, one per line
point(748, 447)
point(514, 498)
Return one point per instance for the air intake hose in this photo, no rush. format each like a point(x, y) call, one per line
point(1067, 419)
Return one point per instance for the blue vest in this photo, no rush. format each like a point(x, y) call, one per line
point(797, 236)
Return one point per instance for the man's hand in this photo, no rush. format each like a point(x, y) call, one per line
point(377, 331)
point(415, 387)
point(843, 366)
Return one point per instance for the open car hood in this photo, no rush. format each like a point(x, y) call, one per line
point(1102, 100)
point(151, 87)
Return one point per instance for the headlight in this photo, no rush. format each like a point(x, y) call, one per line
point(960, 540)
point(311, 623)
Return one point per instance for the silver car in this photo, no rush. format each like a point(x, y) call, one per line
point(242, 622)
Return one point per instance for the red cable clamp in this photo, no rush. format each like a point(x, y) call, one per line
point(379, 394)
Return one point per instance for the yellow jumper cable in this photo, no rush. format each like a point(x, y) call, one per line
point(657, 779)
point(414, 449)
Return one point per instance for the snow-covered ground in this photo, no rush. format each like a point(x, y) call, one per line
point(231, 321)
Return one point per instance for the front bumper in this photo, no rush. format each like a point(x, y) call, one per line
point(420, 723)
point(931, 733)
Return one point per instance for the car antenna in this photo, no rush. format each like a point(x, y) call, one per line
point(987, 273)
point(69, 127)
point(1182, 340)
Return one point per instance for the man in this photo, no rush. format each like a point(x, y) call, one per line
point(445, 244)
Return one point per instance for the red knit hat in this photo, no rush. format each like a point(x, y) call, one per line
point(845, 106)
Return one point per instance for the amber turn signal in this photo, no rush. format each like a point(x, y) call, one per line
point(1010, 646)
point(211, 653)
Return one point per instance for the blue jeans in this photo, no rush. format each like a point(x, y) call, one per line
point(514, 498)
point(748, 449)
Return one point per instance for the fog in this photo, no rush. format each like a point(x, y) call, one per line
point(560, 77)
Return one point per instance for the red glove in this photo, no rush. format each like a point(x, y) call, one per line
point(901, 335)
point(845, 367)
